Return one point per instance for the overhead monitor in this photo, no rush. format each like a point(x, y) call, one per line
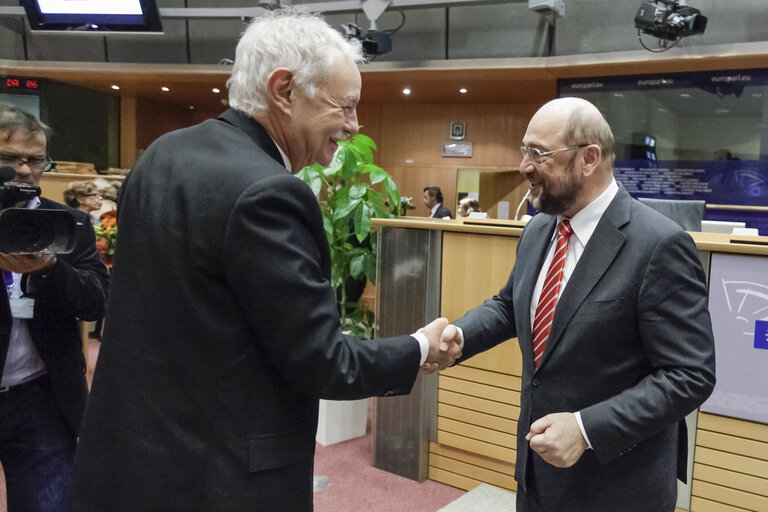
point(93, 16)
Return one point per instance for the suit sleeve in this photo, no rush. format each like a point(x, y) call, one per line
point(676, 334)
point(275, 266)
point(78, 282)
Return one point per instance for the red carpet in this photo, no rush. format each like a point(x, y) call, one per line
point(356, 485)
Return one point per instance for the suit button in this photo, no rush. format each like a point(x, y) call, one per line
point(535, 383)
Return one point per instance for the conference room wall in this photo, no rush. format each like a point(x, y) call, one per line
point(478, 31)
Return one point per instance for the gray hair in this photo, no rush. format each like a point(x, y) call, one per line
point(586, 125)
point(13, 119)
point(290, 38)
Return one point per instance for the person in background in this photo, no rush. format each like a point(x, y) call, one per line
point(83, 196)
point(433, 200)
point(43, 389)
point(222, 330)
point(108, 190)
point(468, 205)
point(608, 300)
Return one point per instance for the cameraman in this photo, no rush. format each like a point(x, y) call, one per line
point(43, 388)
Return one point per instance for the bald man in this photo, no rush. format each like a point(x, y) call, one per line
point(609, 304)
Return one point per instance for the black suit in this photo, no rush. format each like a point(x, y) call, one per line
point(75, 289)
point(631, 347)
point(222, 332)
point(442, 212)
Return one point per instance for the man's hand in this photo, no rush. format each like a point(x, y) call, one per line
point(27, 263)
point(557, 438)
point(444, 347)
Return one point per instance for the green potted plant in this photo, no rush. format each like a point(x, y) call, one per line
point(352, 190)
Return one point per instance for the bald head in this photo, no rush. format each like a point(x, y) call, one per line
point(578, 121)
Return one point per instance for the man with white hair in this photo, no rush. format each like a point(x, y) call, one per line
point(608, 301)
point(222, 331)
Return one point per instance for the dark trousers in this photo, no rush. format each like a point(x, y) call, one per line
point(37, 448)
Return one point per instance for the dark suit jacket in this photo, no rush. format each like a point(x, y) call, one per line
point(631, 347)
point(76, 288)
point(222, 332)
point(441, 212)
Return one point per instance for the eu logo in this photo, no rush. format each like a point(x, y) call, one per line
point(761, 334)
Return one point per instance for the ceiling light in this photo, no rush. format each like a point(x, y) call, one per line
point(216, 90)
point(463, 91)
point(164, 89)
point(116, 87)
point(191, 107)
point(406, 91)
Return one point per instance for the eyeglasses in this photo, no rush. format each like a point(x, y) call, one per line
point(538, 155)
point(37, 164)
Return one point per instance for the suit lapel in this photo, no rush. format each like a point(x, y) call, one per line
point(600, 251)
point(255, 131)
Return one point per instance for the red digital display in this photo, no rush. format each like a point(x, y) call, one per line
point(21, 83)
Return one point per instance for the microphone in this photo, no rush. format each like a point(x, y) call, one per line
point(7, 173)
point(527, 193)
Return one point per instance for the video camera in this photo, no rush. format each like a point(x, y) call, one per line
point(25, 231)
point(671, 21)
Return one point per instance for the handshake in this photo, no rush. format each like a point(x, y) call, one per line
point(444, 345)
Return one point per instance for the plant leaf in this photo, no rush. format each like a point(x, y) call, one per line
point(378, 174)
point(358, 190)
point(357, 266)
point(362, 222)
point(344, 208)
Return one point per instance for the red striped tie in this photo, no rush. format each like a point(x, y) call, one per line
point(545, 309)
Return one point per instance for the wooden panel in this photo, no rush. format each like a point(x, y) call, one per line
point(412, 180)
point(499, 466)
point(483, 448)
point(704, 505)
point(733, 426)
point(452, 479)
point(501, 380)
point(413, 133)
point(478, 404)
point(733, 497)
point(476, 432)
point(480, 390)
point(476, 267)
point(730, 444)
point(509, 186)
point(476, 418)
point(730, 461)
point(734, 480)
point(473, 472)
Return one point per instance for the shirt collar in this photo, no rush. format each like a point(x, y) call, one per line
point(33, 203)
point(434, 208)
point(284, 156)
point(585, 221)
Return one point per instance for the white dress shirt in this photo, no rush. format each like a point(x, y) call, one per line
point(583, 224)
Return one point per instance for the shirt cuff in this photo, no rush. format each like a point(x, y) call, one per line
point(581, 427)
point(461, 336)
point(423, 345)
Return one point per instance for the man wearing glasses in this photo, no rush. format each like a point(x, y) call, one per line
point(43, 388)
point(608, 301)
